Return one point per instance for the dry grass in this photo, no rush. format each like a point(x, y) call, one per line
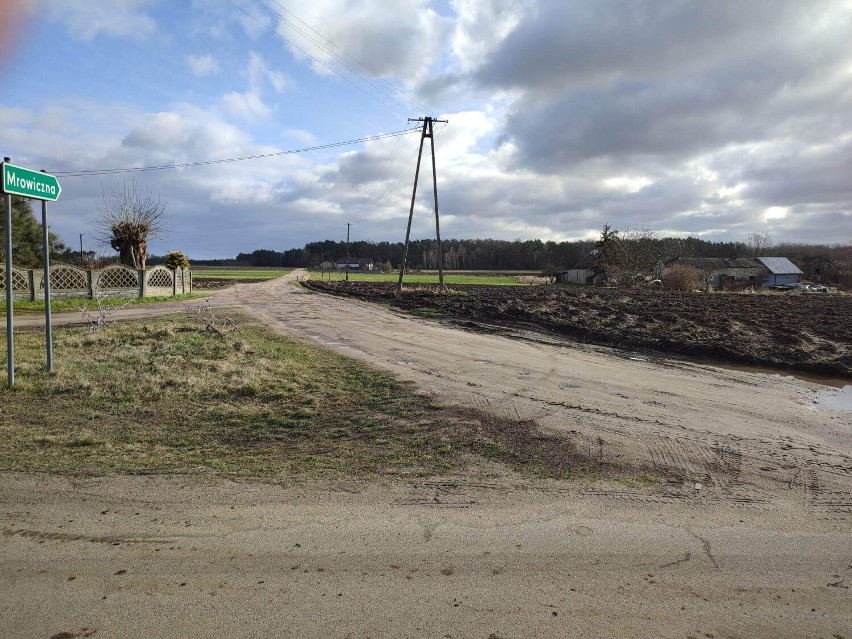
point(167, 396)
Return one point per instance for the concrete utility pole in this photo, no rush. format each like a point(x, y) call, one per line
point(427, 132)
point(348, 224)
point(82, 265)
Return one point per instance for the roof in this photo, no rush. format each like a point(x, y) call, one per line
point(587, 261)
point(716, 263)
point(779, 265)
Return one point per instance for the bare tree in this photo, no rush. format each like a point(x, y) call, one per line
point(638, 250)
point(127, 219)
point(758, 242)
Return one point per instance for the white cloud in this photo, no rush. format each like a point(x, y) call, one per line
point(203, 65)
point(376, 38)
point(260, 73)
point(86, 19)
point(248, 106)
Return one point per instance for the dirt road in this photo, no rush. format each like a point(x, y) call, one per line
point(751, 536)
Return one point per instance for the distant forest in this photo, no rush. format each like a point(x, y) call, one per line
point(526, 255)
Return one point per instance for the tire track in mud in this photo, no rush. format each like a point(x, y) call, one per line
point(40, 536)
point(458, 493)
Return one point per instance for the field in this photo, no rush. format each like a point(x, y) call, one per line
point(790, 331)
point(451, 278)
point(213, 277)
point(238, 272)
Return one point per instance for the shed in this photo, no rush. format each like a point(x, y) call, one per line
point(583, 271)
point(356, 264)
point(718, 272)
point(781, 271)
point(817, 269)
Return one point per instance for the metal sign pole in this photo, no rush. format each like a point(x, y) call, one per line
point(48, 326)
point(10, 322)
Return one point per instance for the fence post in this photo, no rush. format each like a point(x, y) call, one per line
point(90, 284)
point(142, 283)
point(174, 282)
point(31, 283)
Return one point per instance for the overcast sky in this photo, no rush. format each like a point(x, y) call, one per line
point(708, 118)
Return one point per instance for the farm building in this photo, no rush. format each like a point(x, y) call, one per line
point(818, 269)
point(583, 272)
point(735, 272)
point(780, 271)
point(356, 264)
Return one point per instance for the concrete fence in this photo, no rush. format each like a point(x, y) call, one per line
point(116, 280)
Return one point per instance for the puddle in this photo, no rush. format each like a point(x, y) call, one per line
point(835, 400)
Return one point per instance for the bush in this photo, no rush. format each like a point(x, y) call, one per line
point(681, 277)
point(176, 260)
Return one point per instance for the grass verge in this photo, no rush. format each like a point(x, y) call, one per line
point(167, 396)
point(70, 305)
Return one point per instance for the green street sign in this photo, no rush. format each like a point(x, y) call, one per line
point(28, 183)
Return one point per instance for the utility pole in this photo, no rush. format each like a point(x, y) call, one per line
point(427, 132)
point(82, 265)
point(347, 250)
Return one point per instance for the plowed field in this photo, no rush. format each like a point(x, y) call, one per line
point(807, 332)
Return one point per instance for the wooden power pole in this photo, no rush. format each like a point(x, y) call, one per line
point(427, 132)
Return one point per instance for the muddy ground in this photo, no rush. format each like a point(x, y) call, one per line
point(806, 332)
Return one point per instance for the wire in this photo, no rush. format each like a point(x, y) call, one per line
point(392, 161)
point(364, 213)
point(260, 156)
point(376, 80)
point(320, 62)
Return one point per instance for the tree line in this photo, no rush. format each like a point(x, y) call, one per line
point(634, 251)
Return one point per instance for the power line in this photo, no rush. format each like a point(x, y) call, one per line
point(260, 156)
point(363, 214)
point(392, 161)
point(376, 80)
point(320, 62)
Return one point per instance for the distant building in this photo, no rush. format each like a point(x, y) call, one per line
point(729, 273)
point(818, 269)
point(583, 272)
point(781, 271)
point(356, 264)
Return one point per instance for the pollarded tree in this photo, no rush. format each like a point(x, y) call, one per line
point(128, 218)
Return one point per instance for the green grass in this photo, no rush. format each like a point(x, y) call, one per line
point(238, 272)
point(66, 305)
point(167, 395)
point(423, 278)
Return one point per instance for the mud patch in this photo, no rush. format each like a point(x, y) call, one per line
point(781, 331)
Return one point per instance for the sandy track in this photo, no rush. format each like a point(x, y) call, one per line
point(745, 437)
point(762, 549)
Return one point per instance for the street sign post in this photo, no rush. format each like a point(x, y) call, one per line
point(28, 183)
point(17, 180)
